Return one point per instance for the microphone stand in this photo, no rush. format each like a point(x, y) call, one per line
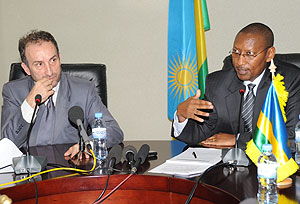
point(76, 117)
point(30, 128)
point(83, 140)
point(81, 149)
point(237, 156)
point(28, 163)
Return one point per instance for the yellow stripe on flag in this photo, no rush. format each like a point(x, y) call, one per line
point(267, 129)
point(200, 35)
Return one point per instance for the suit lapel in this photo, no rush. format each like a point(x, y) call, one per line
point(232, 101)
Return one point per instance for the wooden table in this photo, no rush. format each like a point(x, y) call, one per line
point(241, 182)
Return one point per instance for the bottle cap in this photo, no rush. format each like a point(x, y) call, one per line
point(98, 115)
point(267, 147)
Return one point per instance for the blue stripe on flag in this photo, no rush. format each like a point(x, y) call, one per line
point(181, 47)
point(272, 111)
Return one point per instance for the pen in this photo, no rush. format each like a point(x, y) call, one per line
point(195, 155)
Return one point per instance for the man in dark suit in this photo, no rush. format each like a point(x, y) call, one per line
point(41, 61)
point(214, 121)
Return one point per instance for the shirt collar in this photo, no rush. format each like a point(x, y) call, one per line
point(55, 89)
point(256, 82)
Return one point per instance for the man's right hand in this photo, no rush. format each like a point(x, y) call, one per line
point(74, 150)
point(43, 87)
point(191, 108)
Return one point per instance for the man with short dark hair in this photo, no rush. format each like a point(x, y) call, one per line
point(41, 61)
point(214, 120)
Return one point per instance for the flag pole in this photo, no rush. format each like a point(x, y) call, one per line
point(272, 68)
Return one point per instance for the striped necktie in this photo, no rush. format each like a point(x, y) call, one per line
point(247, 113)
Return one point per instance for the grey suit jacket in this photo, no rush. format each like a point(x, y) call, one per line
point(222, 89)
point(72, 92)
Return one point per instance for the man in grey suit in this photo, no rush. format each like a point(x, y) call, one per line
point(214, 121)
point(41, 61)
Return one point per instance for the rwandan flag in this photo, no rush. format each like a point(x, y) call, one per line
point(271, 129)
point(186, 50)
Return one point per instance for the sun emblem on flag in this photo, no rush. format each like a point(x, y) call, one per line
point(183, 77)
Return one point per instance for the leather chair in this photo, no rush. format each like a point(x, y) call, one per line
point(292, 58)
point(92, 72)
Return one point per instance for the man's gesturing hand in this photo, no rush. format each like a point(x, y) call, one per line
point(43, 87)
point(191, 108)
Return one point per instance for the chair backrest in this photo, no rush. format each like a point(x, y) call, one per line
point(292, 58)
point(92, 72)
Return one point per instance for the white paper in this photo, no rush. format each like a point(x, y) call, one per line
point(203, 156)
point(8, 150)
point(190, 163)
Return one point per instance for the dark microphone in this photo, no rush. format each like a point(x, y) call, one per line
point(140, 157)
point(237, 156)
point(129, 152)
point(76, 116)
point(28, 163)
point(114, 157)
point(38, 99)
point(242, 92)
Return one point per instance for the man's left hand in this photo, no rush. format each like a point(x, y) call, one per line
point(220, 139)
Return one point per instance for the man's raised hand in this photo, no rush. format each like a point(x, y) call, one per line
point(43, 87)
point(191, 108)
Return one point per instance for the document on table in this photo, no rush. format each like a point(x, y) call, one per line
point(190, 163)
point(8, 150)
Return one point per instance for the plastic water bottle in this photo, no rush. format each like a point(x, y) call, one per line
point(297, 135)
point(267, 176)
point(99, 138)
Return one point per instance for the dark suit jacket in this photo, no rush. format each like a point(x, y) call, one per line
point(222, 89)
point(72, 92)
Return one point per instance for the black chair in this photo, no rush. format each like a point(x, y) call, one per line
point(92, 72)
point(292, 58)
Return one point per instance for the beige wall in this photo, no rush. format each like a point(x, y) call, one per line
point(130, 37)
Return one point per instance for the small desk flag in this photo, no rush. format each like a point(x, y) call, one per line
point(271, 129)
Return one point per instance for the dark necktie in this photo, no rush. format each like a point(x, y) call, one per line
point(46, 130)
point(247, 113)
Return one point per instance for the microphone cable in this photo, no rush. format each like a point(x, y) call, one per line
point(35, 187)
point(103, 191)
point(199, 179)
point(140, 158)
point(106, 184)
point(56, 169)
point(113, 158)
point(116, 188)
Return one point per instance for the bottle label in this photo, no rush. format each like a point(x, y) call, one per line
point(297, 133)
point(268, 171)
point(99, 133)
